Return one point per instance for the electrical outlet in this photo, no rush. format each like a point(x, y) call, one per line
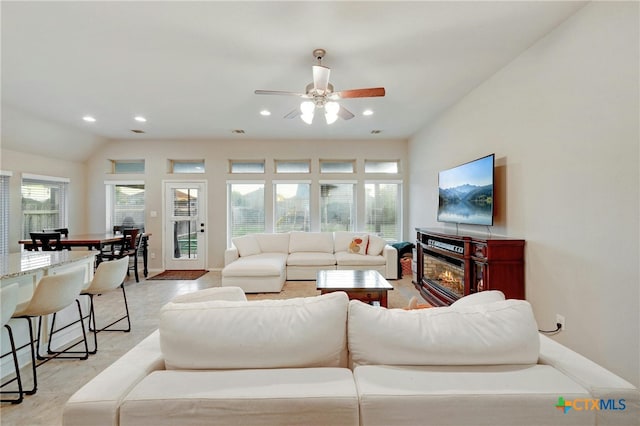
point(560, 320)
point(153, 255)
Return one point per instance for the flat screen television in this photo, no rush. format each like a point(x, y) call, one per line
point(465, 192)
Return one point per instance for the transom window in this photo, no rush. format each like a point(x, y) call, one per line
point(127, 166)
point(337, 166)
point(293, 166)
point(246, 166)
point(187, 166)
point(382, 166)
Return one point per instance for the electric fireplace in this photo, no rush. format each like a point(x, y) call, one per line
point(450, 266)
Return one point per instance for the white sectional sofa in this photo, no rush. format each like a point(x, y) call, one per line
point(261, 263)
point(326, 360)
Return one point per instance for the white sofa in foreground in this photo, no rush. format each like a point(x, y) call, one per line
point(261, 263)
point(326, 360)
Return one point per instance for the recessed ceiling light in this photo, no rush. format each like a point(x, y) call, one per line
point(367, 112)
point(89, 119)
point(265, 112)
point(140, 118)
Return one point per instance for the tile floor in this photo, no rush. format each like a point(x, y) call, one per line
point(59, 379)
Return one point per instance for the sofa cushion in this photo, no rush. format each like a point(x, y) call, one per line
point(503, 332)
point(300, 332)
point(302, 396)
point(258, 265)
point(213, 293)
point(479, 298)
point(273, 243)
point(358, 245)
point(247, 245)
point(311, 259)
point(311, 241)
point(342, 239)
point(376, 245)
point(467, 395)
point(349, 259)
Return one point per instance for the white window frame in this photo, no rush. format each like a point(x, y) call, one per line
point(5, 197)
point(399, 203)
point(229, 184)
point(114, 166)
point(275, 199)
point(372, 162)
point(278, 163)
point(109, 201)
point(261, 162)
point(354, 205)
point(64, 208)
point(172, 166)
point(352, 163)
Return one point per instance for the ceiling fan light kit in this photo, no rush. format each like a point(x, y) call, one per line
point(320, 94)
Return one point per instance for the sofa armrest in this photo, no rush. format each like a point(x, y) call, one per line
point(601, 383)
point(391, 258)
point(98, 401)
point(231, 255)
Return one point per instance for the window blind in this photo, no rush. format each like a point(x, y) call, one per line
point(44, 204)
point(4, 214)
point(246, 209)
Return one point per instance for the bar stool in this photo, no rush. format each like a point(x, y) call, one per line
point(107, 277)
point(8, 303)
point(52, 294)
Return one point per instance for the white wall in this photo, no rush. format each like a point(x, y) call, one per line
point(217, 154)
point(562, 120)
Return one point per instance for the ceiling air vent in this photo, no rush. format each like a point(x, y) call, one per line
point(376, 132)
point(137, 131)
point(238, 131)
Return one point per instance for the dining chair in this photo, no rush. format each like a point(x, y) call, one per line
point(52, 294)
point(48, 241)
point(107, 277)
point(64, 232)
point(8, 304)
point(127, 247)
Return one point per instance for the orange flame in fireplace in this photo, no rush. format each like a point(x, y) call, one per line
point(447, 277)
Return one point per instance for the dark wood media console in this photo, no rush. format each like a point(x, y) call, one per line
point(450, 266)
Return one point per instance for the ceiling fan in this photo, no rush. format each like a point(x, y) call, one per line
point(320, 94)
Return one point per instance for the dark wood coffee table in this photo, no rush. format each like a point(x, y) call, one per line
point(366, 286)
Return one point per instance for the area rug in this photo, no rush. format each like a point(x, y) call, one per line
point(397, 298)
point(175, 274)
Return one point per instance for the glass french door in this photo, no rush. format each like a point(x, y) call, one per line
point(185, 226)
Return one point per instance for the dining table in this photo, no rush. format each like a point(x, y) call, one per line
point(94, 241)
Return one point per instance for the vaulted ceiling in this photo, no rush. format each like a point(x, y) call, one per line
point(191, 68)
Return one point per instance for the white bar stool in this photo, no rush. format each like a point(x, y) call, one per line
point(8, 303)
point(52, 294)
point(108, 277)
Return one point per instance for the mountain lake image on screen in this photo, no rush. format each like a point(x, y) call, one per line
point(465, 193)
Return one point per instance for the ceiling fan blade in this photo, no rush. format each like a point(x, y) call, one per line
point(370, 92)
point(321, 78)
point(293, 113)
point(345, 114)
point(280, 92)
